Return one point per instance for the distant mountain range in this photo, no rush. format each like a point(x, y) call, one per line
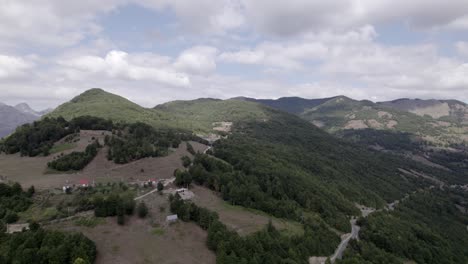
point(438, 121)
point(13, 116)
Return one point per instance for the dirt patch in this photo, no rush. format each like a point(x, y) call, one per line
point(383, 114)
point(318, 123)
point(391, 124)
point(242, 220)
point(435, 111)
point(356, 124)
point(222, 126)
point(374, 123)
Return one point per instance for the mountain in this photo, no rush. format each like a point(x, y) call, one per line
point(11, 118)
point(294, 105)
point(99, 103)
point(437, 121)
point(284, 166)
point(450, 110)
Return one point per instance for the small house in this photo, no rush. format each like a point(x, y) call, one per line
point(171, 218)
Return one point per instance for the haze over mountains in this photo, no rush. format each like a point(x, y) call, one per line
point(14, 116)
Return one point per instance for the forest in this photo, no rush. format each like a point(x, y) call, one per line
point(427, 228)
point(76, 160)
point(266, 246)
point(43, 246)
point(12, 201)
point(140, 141)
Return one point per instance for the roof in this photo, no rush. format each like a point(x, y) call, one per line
point(171, 217)
point(84, 181)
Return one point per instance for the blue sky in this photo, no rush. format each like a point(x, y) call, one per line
point(152, 51)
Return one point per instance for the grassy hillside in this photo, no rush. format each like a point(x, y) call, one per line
point(200, 114)
point(98, 103)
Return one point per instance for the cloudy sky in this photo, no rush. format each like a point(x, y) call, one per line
point(152, 51)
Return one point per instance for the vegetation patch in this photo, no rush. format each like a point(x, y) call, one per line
point(158, 231)
point(89, 221)
point(61, 147)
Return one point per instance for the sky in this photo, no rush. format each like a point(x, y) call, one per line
point(154, 51)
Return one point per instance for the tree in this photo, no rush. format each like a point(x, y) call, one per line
point(142, 210)
point(80, 261)
point(34, 226)
point(11, 217)
point(160, 186)
point(120, 219)
point(186, 161)
point(190, 149)
point(31, 191)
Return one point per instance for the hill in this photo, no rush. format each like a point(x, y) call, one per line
point(266, 159)
point(11, 118)
point(449, 110)
point(439, 122)
point(99, 103)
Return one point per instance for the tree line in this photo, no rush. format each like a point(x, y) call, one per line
point(266, 246)
point(75, 160)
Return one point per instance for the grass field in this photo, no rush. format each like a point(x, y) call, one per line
point(62, 147)
point(242, 220)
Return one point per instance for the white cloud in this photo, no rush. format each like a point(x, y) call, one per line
point(298, 16)
point(11, 66)
point(119, 64)
point(197, 60)
point(462, 48)
point(202, 16)
point(50, 22)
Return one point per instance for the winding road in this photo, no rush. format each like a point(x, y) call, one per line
point(344, 242)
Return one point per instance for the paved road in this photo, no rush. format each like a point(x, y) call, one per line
point(344, 243)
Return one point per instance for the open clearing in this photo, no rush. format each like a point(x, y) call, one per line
point(149, 240)
point(241, 219)
point(33, 170)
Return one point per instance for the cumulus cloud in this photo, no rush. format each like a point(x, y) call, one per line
point(119, 64)
point(462, 48)
point(294, 48)
point(292, 17)
point(197, 60)
point(11, 66)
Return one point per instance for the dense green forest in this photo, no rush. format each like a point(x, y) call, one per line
point(140, 140)
point(44, 246)
point(426, 228)
point(288, 167)
point(75, 160)
point(404, 143)
point(12, 201)
point(266, 246)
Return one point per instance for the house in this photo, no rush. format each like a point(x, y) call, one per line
point(171, 218)
point(83, 183)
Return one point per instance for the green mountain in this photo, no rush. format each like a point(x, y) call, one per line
point(439, 122)
point(283, 165)
point(99, 103)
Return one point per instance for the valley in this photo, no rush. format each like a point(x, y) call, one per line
point(264, 186)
